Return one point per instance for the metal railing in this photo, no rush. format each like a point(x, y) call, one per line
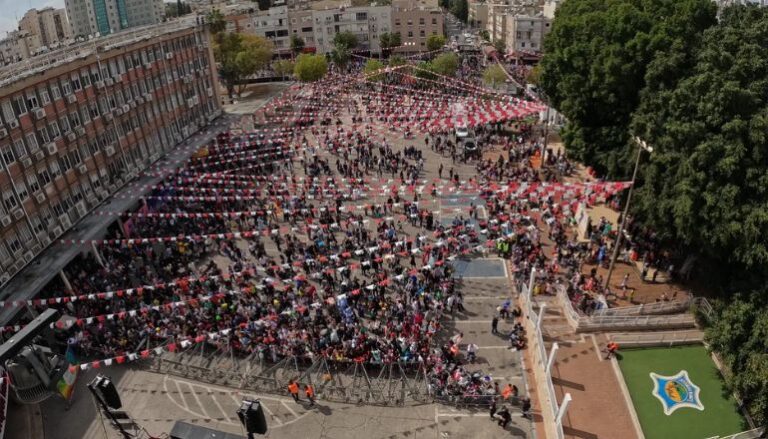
point(755, 433)
point(658, 338)
point(646, 309)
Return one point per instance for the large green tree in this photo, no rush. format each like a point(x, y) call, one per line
point(706, 184)
point(297, 44)
point(373, 70)
point(596, 59)
point(347, 39)
point(239, 56)
point(445, 64)
point(460, 8)
point(435, 42)
point(494, 75)
point(216, 21)
point(310, 68)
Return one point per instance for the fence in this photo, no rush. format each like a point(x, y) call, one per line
point(673, 338)
point(598, 322)
point(749, 434)
point(539, 359)
point(647, 309)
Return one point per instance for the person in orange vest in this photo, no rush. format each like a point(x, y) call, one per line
point(507, 392)
point(612, 347)
point(294, 389)
point(310, 392)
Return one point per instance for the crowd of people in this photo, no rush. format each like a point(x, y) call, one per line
point(345, 259)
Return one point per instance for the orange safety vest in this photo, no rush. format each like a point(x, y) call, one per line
point(309, 391)
point(507, 392)
point(293, 388)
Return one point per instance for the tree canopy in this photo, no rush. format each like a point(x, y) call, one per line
point(445, 64)
point(216, 21)
point(283, 67)
point(595, 64)
point(347, 39)
point(372, 66)
point(239, 56)
point(396, 60)
point(494, 75)
point(435, 42)
point(297, 44)
point(310, 68)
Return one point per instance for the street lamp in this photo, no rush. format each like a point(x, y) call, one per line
point(619, 233)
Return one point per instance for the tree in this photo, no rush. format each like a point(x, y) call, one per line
point(283, 67)
point(347, 39)
point(435, 42)
point(445, 64)
point(494, 75)
point(297, 44)
point(485, 35)
point(216, 22)
point(387, 41)
point(239, 56)
point(397, 60)
point(341, 55)
point(373, 70)
point(310, 68)
point(534, 75)
point(500, 46)
point(595, 64)
point(460, 9)
point(425, 70)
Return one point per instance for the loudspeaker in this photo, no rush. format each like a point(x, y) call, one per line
point(108, 392)
point(252, 417)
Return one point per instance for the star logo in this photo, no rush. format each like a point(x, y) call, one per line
point(676, 392)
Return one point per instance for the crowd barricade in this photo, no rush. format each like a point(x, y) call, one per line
point(656, 308)
point(671, 338)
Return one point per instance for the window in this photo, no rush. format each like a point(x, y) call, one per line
point(53, 128)
point(37, 224)
point(22, 189)
point(361, 16)
point(32, 142)
point(32, 101)
point(7, 154)
point(19, 105)
point(44, 96)
point(14, 245)
point(76, 82)
point(55, 92)
point(18, 146)
point(34, 186)
point(421, 21)
point(410, 33)
point(8, 111)
point(93, 110)
point(44, 135)
point(4, 255)
point(422, 33)
point(85, 79)
point(9, 200)
point(74, 119)
point(24, 232)
point(67, 88)
point(434, 20)
point(55, 169)
point(44, 177)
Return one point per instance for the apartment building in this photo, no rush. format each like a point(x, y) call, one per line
point(415, 21)
point(497, 23)
point(273, 25)
point(525, 33)
point(103, 17)
point(77, 125)
point(478, 14)
point(302, 25)
point(366, 22)
point(17, 46)
point(50, 25)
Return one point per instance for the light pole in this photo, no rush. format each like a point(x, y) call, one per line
point(619, 233)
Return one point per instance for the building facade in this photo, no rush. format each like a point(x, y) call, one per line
point(415, 21)
point(478, 14)
point(525, 33)
point(18, 46)
point(50, 25)
point(272, 24)
point(104, 17)
point(72, 132)
point(366, 22)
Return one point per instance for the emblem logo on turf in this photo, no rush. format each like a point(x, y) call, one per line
point(676, 391)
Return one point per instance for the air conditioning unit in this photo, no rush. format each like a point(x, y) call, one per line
point(102, 193)
point(27, 162)
point(148, 65)
point(109, 81)
point(39, 154)
point(119, 111)
point(210, 92)
point(148, 96)
point(45, 241)
point(140, 100)
point(18, 213)
point(72, 98)
point(57, 231)
point(4, 279)
point(110, 151)
point(65, 222)
point(80, 131)
point(3, 133)
point(71, 136)
point(28, 256)
point(13, 123)
point(133, 104)
point(119, 77)
point(111, 188)
point(40, 197)
point(19, 265)
point(81, 209)
point(118, 183)
point(83, 169)
point(102, 172)
point(51, 147)
point(190, 103)
point(126, 108)
point(107, 116)
point(6, 220)
point(40, 113)
point(99, 84)
point(41, 236)
point(169, 55)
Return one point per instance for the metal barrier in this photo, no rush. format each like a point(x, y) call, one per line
point(755, 433)
point(658, 338)
point(647, 309)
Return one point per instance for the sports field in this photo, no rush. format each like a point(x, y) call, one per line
point(720, 415)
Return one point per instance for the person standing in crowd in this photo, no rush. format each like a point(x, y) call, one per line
point(495, 324)
point(493, 408)
point(293, 389)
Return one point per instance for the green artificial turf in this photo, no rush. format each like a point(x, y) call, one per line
point(720, 415)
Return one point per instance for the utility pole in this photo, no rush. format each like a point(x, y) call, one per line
point(620, 232)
